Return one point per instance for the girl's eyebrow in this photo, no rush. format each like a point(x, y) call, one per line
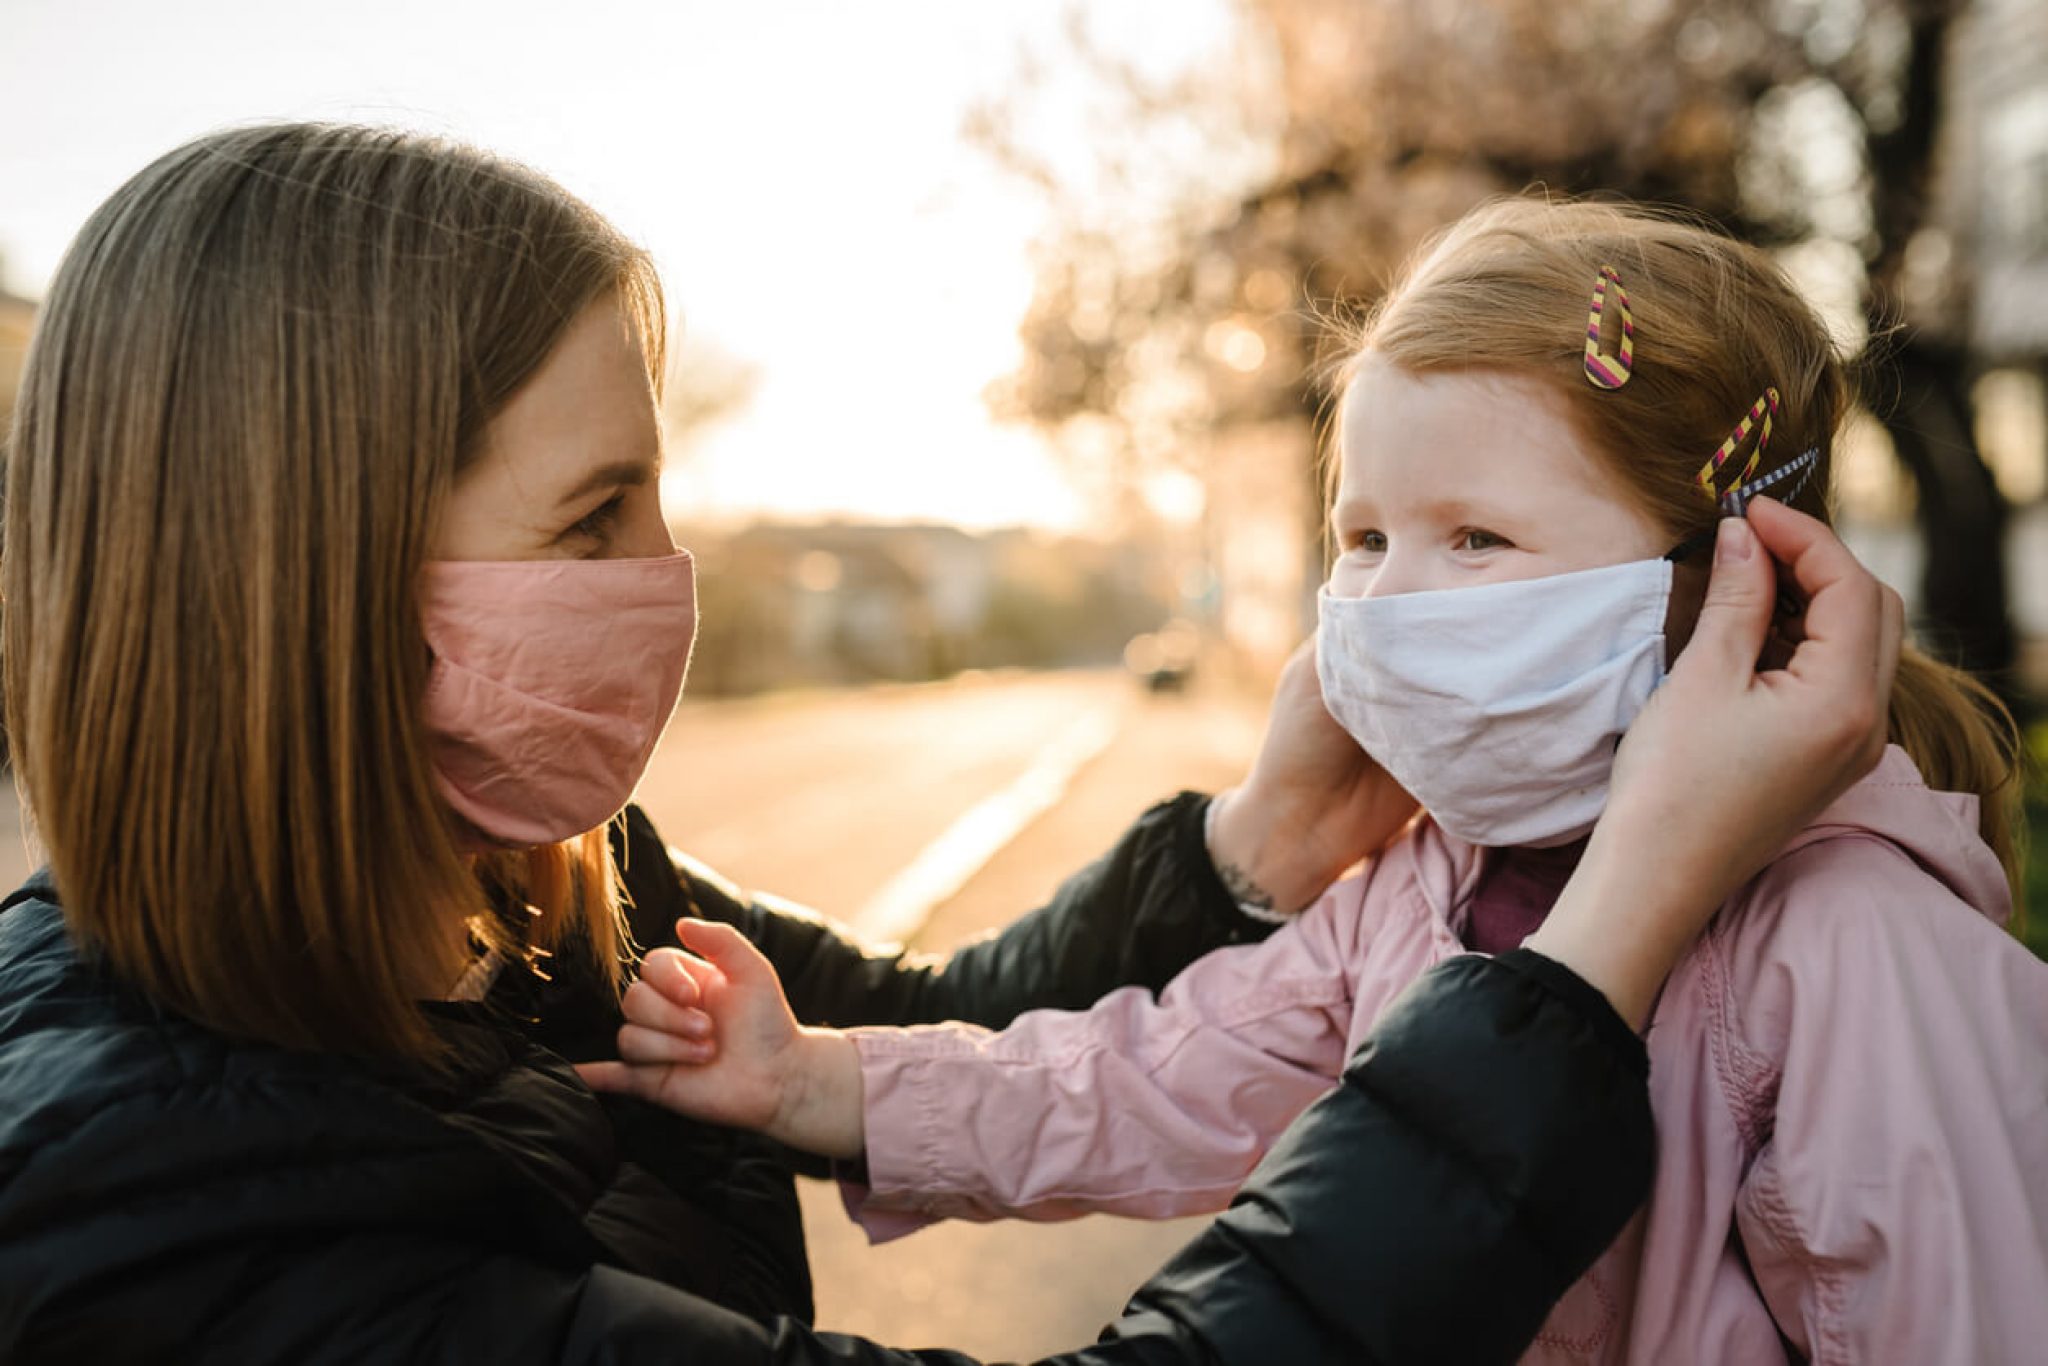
point(1465, 510)
point(1347, 511)
point(630, 473)
point(1448, 509)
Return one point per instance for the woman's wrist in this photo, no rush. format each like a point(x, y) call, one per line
point(1622, 923)
point(1265, 853)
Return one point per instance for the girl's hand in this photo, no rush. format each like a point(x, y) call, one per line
point(711, 1036)
point(1727, 762)
point(1313, 805)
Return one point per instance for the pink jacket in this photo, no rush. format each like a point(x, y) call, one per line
point(1851, 1096)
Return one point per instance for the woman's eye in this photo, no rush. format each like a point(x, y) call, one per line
point(598, 522)
point(1475, 539)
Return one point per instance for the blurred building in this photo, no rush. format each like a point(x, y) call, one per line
point(785, 605)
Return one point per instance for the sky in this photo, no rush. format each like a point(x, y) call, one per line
point(797, 169)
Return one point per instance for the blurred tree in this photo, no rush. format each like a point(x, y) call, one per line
point(1807, 124)
point(706, 385)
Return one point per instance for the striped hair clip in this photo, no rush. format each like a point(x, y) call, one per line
point(1762, 411)
point(1610, 370)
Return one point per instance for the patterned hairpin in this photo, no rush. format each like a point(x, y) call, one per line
point(1735, 502)
point(1605, 370)
point(1763, 409)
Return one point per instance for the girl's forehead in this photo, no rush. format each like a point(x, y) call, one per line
point(1458, 435)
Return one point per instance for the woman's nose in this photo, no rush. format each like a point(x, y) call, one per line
point(643, 532)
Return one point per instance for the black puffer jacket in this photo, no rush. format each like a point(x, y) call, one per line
point(166, 1194)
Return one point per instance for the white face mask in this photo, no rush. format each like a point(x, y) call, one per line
point(1499, 707)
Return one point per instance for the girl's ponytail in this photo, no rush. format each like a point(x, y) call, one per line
point(1962, 739)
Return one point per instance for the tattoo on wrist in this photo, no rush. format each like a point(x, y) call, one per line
point(1243, 890)
point(1252, 899)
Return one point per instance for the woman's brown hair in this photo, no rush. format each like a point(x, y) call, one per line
point(1509, 287)
point(258, 371)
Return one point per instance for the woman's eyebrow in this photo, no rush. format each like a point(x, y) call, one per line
point(619, 472)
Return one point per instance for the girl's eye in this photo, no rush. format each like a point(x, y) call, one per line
point(1371, 542)
point(598, 522)
point(1475, 539)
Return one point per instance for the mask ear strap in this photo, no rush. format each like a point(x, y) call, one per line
point(1691, 545)
point(1735, 502)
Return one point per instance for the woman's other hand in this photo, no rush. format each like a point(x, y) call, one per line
point(1726, 762)
point(1313, 805)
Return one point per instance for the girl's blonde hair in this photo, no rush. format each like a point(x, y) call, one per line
point(1509, 287)
point(258, 372)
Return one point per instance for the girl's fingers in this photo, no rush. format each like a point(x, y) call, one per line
point(638, 1044)
point(669, 972)
point(652, 1009)
point(726, 949)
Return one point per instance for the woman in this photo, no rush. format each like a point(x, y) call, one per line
point(341, 616)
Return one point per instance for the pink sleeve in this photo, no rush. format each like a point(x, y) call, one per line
point(1898, 1208)
point(1138, 1106)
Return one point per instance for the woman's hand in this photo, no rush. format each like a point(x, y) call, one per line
point(1313, 805)
point(712, 1037)
point(1726, 763)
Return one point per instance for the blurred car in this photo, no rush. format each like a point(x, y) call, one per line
point(1163, 660)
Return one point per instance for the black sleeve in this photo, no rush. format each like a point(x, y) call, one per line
point(1485, 1145)
point(1490, 1139)
point(1136, 916)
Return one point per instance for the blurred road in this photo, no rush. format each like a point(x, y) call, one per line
point(824, 799)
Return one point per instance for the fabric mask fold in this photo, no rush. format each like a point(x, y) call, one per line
point(552, 682)
point(1498, 707)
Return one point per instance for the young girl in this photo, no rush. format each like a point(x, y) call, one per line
point(1848, 1070)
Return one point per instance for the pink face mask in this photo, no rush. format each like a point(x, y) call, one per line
point(551, 682)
